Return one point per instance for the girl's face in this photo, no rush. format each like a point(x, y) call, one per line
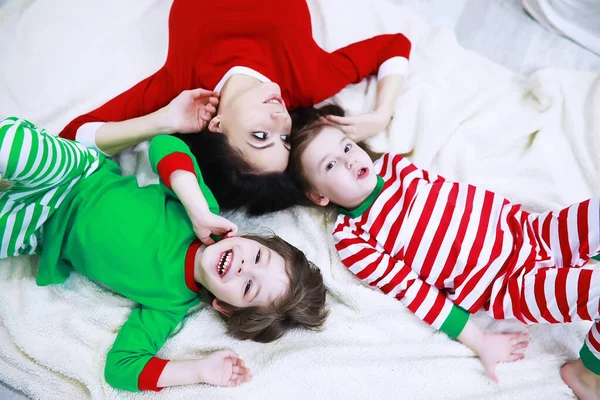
point(338, 170)
point(257, 123)
point(242, 272)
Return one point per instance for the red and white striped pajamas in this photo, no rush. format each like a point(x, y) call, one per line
point(443, 247)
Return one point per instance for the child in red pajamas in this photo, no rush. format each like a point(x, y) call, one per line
point(448, 249)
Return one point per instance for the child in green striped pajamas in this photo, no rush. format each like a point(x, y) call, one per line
point(70, 205)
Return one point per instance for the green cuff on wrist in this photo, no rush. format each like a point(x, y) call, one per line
point(589, 360)
point(455, 322)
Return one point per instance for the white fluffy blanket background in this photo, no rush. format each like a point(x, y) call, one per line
point(535, 140)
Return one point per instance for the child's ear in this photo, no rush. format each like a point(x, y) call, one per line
point(220, 309)
point(215, 125)
point(317, 198)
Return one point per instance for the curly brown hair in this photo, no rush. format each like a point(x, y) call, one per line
point(302, 306)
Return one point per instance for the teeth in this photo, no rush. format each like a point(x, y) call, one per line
point(224, 262)
point(273, 101)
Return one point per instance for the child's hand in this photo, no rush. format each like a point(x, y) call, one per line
point(223, 368)
point(501, 347)
point(191, 110)
point(207, 224)
point(360, 127)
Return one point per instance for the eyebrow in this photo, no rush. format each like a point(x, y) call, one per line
point(329, 154)
point(326, 156)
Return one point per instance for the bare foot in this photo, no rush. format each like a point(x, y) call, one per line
point(581, 380)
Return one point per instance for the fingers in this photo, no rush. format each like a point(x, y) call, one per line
point(233, 231)
point(228, 353)
point(519, 346)
point(515, 357)
point(339, 120)
point(347, 129)
point(490, 371)
point(240, 373)
point(207, 240)
point(199, 92)
point(227, 226)
point(518, 341)
point(208, 112)
point(520, 337)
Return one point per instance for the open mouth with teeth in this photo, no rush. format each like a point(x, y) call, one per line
point(362, 173)
point(224, 263)
point(275, 99)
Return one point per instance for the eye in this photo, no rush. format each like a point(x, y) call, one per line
point(260, 135)
point(257, 259)
point(330, 165)
point(347, 148)
point(247, 287)
point(285, 138)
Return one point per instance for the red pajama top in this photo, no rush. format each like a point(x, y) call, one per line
point(272, 37)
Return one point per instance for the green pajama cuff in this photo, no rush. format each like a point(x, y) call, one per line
point(455, 322)
point(589, 360)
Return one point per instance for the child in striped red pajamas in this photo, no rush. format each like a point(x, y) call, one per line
point(448, 249)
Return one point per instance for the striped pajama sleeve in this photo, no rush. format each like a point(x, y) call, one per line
point(38, 170)
point(397, 279)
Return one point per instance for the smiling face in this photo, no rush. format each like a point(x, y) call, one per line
point(257, 123)
point(338, 170)
point(242, 272)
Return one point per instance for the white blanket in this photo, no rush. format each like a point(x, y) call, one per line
point(535, 140)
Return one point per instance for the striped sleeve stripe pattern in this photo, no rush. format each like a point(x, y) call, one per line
point(472, 242)
point(371, 261)
point(42, 169)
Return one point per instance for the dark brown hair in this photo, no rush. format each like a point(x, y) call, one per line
point(302, 306)
point(235, 184)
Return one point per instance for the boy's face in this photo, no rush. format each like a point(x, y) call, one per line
point(338, 170)
point(242, 272)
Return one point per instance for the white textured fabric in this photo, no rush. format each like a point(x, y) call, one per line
point(535, 140)
point(579, 20)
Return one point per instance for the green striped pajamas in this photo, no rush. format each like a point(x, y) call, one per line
point(37, 171)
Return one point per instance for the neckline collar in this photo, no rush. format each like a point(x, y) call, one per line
point(190, 257)
point(238, 69)
point(368, 202)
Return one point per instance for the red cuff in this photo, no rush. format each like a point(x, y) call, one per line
point(150, 374)
point(171, 163)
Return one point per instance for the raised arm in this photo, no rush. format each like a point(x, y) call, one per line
point(385, 55)
point(181, 177)
point(146, 97)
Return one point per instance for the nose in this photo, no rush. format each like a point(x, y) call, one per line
point(350, 162)
point(279, 116)
point(240, 268)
